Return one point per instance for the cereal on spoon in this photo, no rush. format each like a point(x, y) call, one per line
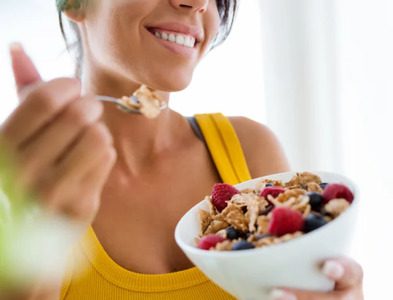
point(149, 102)
point(273, 212)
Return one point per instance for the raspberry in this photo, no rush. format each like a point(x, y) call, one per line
point(285, 220)
point(274, 191)
point(210, 241)
point(337, 191)
point(222, 193)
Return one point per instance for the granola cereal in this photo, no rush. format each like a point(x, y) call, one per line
point(149, 102)
point(274, 212)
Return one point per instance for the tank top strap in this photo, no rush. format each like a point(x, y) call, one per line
point(224, 146)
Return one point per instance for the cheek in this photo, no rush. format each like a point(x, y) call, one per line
point(113, 32)
point(212, 29)
point(214, 19)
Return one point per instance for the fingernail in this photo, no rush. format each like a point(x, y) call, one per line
point(16, 46)
point(278, 294)
point(333, 269)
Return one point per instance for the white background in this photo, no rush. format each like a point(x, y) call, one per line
point(229, 80)
point(319, 72)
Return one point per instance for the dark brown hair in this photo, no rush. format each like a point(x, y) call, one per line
point(226, 9)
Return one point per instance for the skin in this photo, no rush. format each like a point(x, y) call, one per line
point(103, 155)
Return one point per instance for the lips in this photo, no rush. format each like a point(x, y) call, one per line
point(178, 28)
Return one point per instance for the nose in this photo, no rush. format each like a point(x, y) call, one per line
point(194, 5)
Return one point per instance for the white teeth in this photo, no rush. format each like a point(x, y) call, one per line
point(190, 41)
point(172, 37)
point(180, 39)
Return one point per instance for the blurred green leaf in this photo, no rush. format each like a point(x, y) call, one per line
point(32, 242)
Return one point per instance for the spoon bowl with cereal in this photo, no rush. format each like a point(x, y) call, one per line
point(144, 101)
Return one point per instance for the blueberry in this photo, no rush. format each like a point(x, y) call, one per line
point(316, 200)
point(323, 185)
point(242, 245)
point(233, 234)
point(268, 184)
point(312, 222)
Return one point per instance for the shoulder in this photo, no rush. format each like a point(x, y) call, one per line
point(263, 152)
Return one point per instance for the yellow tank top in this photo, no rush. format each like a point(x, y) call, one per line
point(103, 279)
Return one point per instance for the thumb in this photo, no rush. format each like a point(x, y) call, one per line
point(345, 271)
point(25, 72)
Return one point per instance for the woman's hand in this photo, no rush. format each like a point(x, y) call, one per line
point(347, 274)
point(63, 153)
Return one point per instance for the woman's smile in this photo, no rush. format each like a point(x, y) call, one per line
point(178, 38)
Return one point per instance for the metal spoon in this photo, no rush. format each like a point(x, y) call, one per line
point(133, 108)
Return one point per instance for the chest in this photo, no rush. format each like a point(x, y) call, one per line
point(137, 217)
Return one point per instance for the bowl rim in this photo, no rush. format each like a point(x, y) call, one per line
point(197, 251)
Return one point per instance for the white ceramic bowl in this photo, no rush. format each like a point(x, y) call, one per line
point(250, 274)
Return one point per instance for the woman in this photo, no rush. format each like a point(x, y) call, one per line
point(129, 177)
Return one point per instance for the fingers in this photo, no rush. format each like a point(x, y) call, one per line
point(38, 108)
point(71, 188)
point(25, 72)
point(99, 175)
point(85, 204)
point(345, 271)
point(95, 140)
point(40, 101)
point(62, 153)
point(38, 157)
point(94, 180)
point(347, 274)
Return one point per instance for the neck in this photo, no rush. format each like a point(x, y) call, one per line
point(136, 134)
point(139, 141)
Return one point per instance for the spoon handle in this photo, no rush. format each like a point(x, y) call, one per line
point(120, 104)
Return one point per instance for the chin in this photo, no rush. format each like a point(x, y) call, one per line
point(171, 83)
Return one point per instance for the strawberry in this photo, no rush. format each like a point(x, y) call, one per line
point(210, 241)
point(337, 191)
point(222, 193)
point(285, 220)
point(274, 191)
